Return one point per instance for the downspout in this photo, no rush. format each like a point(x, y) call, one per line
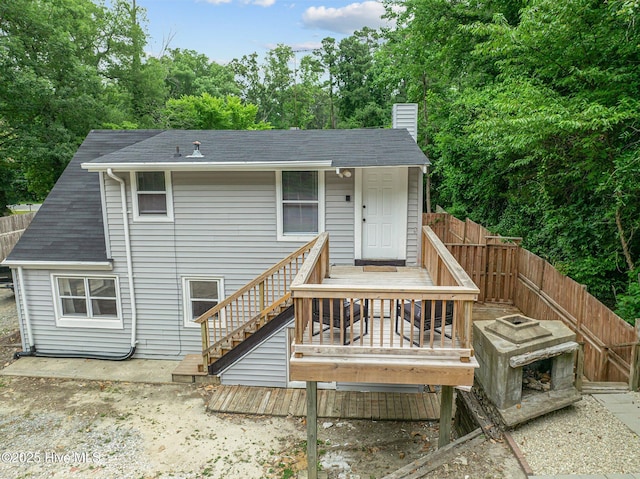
point(25, 308)
point(127, 245)
point(32, 347)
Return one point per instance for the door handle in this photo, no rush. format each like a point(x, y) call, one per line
point(364, 220)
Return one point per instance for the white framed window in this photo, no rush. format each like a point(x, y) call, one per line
point(200, 295)
point(300, 209)
point(87, 301)
point(152, 195)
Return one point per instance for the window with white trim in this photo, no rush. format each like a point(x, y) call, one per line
point(200, 295)
point(300, 197)
point(91, 302)
point(152, 195)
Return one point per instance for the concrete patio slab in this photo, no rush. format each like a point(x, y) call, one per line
point(132, 370)
point(624, 407)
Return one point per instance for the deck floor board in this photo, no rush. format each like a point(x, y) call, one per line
point(332, 404)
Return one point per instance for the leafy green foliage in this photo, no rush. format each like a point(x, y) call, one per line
point(628, 305)
point(530, 113)
point(528, 109)
point(206, 112)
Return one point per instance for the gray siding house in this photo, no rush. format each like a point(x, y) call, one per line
point(147, 229)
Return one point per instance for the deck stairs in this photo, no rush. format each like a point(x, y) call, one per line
point(237, 319)
point(191, 369)
point(246, 331)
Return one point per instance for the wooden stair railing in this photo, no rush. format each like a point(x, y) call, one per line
point(240, 315)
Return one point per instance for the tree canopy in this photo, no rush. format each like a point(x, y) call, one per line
point(528, 109)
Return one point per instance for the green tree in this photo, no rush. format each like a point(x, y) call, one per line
point(249, 78)
point(358, 104)
point(529, 116)
point(51, 89)
point(309, 100)
point(328, 57)
point(205, 112)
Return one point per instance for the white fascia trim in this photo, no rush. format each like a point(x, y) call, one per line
point(81, 265)
point(209, 166)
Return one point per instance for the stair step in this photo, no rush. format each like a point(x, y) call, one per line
point(191, 370)
point(230, 342)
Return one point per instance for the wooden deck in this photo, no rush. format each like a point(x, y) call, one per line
point(331, 404)
point(379, 276)
point(390, 332)
point(188, 372)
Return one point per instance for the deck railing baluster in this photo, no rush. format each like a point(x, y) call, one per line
point(403, 302)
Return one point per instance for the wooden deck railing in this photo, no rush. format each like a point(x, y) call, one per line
point(251, 306)
point(377, 320)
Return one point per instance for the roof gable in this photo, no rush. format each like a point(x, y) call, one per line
point(68, 226)
point(248, 149)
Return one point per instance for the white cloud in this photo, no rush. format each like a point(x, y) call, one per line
point(298, 47)
point(346, 19)
point(261, 3)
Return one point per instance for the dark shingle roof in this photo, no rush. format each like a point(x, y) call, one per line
point(343, 148)
point(68, 226)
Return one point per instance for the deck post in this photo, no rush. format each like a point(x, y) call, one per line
point(312, 430)
point(446, 410)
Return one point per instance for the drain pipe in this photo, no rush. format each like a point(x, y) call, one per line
point(127, 245)
point(32, 347)
point(25, 309)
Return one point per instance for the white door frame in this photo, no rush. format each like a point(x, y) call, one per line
point(402, 179)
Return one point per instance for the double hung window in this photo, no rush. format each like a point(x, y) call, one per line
point(300, 204)
point(87, 301)
point(152, 195)
point(201, 294)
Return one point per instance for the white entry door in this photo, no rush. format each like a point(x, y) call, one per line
point(384, 213)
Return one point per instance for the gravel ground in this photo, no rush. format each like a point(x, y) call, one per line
point(8, 319)
point(133, 431)
point(582, 439)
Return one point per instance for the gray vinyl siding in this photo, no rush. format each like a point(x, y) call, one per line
point(50, 338)
point(414, 211)
point(265, 365)
point(225, 226)
point(405, 115)
point(160, 332)
point(340, 217)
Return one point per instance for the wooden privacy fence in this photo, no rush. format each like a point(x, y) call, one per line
point(610, 343)
point(490, 261)
point(11, 228)
point(505, 272)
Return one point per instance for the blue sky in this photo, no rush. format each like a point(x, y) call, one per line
point(227, 29)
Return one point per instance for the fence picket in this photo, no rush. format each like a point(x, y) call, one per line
point(505, 272)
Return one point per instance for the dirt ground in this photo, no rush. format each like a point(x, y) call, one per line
point(61, 428)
